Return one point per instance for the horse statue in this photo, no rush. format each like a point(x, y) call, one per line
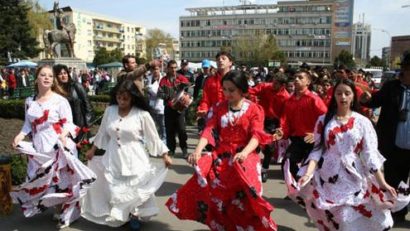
point(63, 34)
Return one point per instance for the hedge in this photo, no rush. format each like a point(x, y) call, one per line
point(12, 108)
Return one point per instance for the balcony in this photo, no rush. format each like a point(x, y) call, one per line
point(103, 28)
point(107, 39)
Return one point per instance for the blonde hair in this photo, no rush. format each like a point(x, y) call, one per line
point(55, 87)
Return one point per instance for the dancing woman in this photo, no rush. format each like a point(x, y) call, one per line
point(347, 190)
point(55, 177)
point(225, 192)
point(127, 178)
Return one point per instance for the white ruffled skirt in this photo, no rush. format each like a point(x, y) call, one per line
point(113, 198)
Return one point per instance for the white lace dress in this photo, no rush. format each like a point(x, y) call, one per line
point(127, 177)
point(344, 193)
point(54, 174)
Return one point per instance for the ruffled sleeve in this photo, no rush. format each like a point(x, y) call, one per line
point(317, 151)
point(27, 125)
point(257, 119)
point(210, 131)
point(153, 143)
point(370, 155)
point(66, 118)
point(102, 138)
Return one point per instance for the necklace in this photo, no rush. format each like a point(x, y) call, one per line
point(343, 118)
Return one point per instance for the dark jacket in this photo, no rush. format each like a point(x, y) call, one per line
point(80, 105)
point(136, 75)
point(388, 98)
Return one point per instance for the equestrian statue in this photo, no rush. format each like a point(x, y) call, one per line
point(64, 33)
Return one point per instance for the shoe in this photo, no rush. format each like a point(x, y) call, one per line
point(135, 224)
point(264, 176)
point(398, 218)
point(185, 153)
point(287, 198)
point(171, 153)
point(56, 217)
point(62, 225)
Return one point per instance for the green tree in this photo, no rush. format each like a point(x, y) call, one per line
point(16, 38)
point(345, 58)
point(38, 18)
point(377, 62)
point(102, 56)
point(154, 38)
point(256, 50)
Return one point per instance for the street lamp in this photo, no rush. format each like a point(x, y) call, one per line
point(387, 33)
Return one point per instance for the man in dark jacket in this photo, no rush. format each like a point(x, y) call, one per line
point(393, 127)
point(134, 71)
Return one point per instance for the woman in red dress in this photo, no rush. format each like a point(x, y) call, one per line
point(225, 192)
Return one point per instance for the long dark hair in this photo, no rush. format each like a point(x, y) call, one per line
point(332, 109)
point(128, 86)
point(238, 78)
point(65, 87)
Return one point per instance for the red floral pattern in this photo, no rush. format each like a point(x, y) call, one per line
point(362, 210)
point(340, 129)
point(359, 147)
point(40, 120)
point(59, 125)
point(221, 191)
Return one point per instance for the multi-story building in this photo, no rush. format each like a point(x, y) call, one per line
point(399, 44)
point(361, 43)
point(175, 50)
point(386, 55)
point(94, 31)
point(313, 31)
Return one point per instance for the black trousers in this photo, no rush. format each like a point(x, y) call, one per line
point(175, 124)
point(297, 152)
point(269, 125)
point(396, 169)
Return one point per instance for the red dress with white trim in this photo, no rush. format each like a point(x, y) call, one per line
point(223, 194)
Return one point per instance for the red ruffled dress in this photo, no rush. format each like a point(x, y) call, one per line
point(223, 194)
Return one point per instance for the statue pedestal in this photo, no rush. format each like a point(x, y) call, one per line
point(77, 63)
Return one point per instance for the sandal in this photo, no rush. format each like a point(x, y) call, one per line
point(135, 224)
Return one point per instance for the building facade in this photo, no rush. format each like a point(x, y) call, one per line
point(386, 56)
point(361, 43)
point(95, 31)
point(312, 31)
point(399, 44)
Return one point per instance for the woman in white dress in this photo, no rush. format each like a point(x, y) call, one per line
point(127, 178)
point(55, 177)
point(345, 187)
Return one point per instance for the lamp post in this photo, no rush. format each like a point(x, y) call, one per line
point(388, 34)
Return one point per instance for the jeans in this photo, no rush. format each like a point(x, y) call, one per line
point(159, 120)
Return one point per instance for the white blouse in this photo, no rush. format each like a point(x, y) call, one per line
point(128, 142)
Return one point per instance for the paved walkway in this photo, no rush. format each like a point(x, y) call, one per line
point(287, 214)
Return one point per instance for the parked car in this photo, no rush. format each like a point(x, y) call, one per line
point(376, 76)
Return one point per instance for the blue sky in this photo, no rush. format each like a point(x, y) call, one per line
point(387, 17)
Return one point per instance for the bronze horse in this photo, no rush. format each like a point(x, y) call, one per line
point(63, 34)
point(54, 37)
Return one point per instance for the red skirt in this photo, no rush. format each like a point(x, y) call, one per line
point(224, 195)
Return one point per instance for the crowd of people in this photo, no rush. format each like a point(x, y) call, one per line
point(11, 79)
point(347, 165)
